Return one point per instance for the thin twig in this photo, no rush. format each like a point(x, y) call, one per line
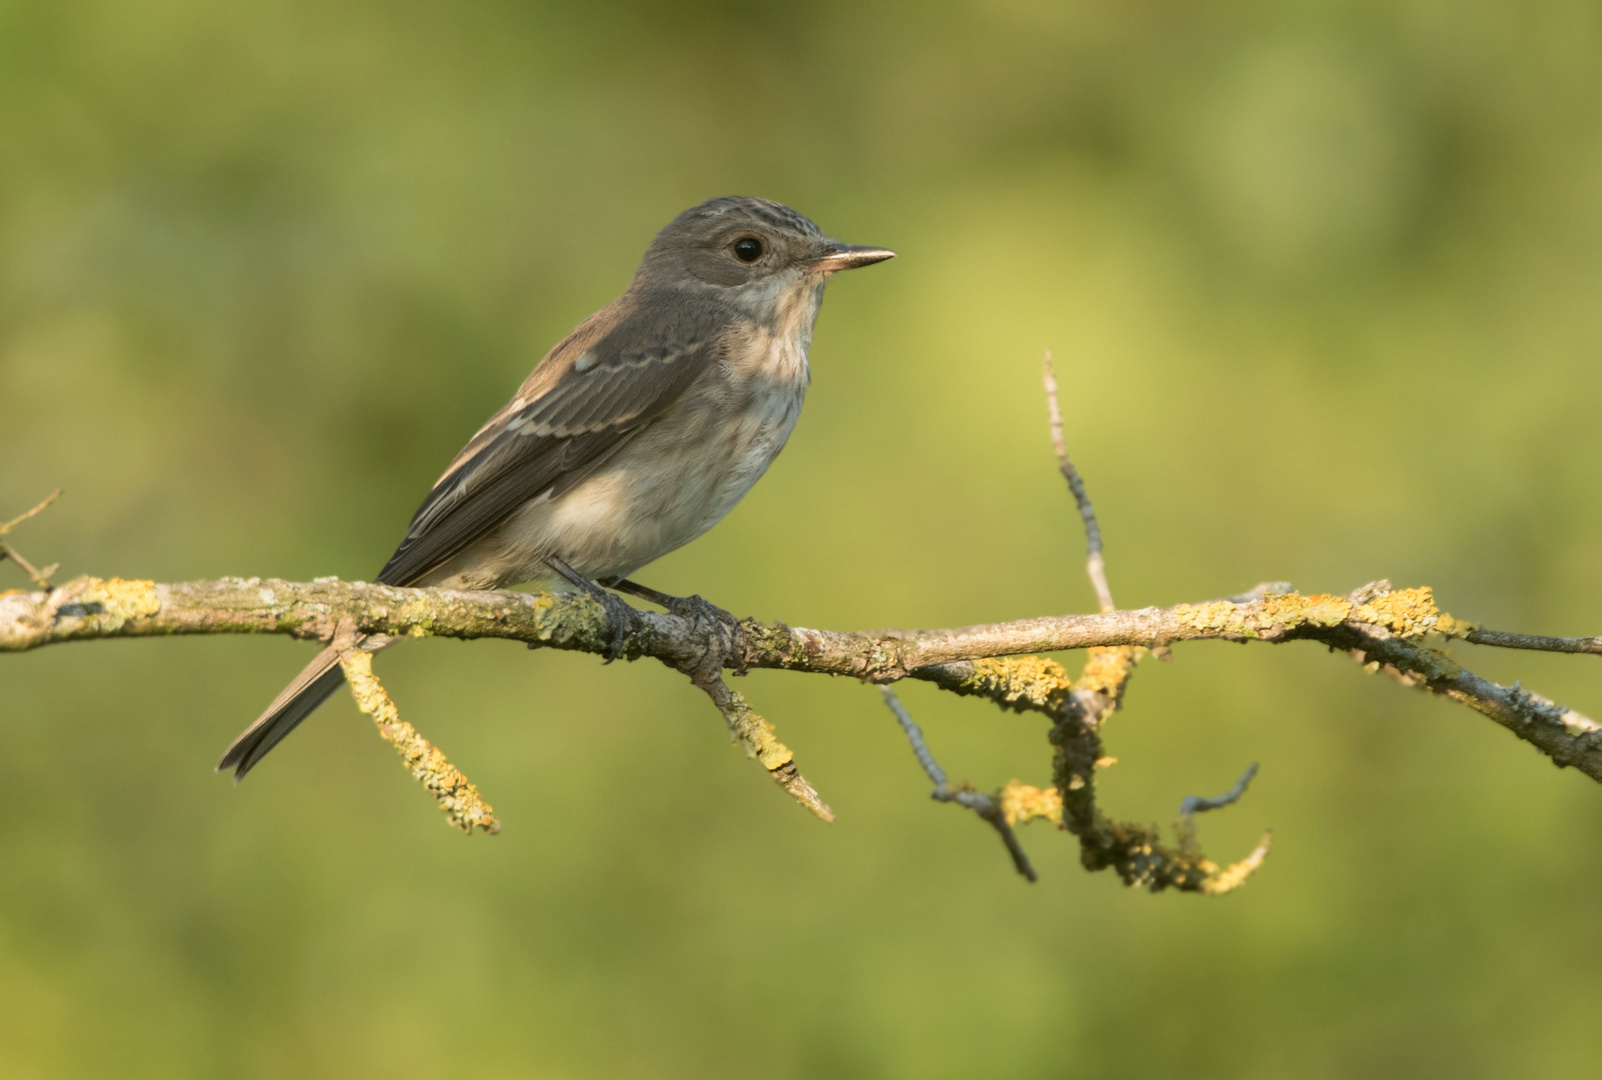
point(1095, 567)
point(1196, 804)
point(1502, 640)
point(40, 578)
point(986, 806)
point(14, 522)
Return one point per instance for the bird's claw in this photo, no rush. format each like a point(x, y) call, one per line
point(619, 615)
point(724, 628)
point(725, 646)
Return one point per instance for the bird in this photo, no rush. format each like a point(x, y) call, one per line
point(633, 436)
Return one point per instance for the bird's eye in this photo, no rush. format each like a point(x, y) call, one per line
point(748, 249)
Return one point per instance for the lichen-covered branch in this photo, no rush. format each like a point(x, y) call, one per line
point(757, 737)
point(457, 796)
point(1390, 629)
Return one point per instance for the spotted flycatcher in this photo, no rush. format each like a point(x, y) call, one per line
point(637, 433)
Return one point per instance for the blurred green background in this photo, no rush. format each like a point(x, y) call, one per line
point(1322, 282)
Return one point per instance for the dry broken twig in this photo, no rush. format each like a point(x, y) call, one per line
point(1385, 628)
point(1095, 567)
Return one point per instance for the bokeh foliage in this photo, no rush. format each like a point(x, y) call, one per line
point(1322, 283)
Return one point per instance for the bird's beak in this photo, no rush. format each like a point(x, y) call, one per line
point(849, 257)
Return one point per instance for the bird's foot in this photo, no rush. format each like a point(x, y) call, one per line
point(619, 615)
point(722, 628)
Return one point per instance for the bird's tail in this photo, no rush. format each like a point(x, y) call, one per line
point(313, 686)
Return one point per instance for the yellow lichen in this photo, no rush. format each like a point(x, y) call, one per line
point(1218, 882)
point(418, 613)
point(561, 618)
point(1021, 803)
point(119, 598)
point(1034, 679)
point(1107, 668)
point(1282, 610)
point(752, 731)
point(1218, 616)
point(1408, 613)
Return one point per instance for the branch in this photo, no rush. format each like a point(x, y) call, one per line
point(1389, 629)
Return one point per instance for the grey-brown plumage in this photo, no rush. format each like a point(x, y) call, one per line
point(638, 432)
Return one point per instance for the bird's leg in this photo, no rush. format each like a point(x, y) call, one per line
point(723, 626)
point(619, 614)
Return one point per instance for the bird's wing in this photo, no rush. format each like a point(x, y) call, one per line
point(553, 434)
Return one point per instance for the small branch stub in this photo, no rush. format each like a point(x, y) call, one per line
point(753, 732)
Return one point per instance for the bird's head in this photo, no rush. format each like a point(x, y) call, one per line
point(761, 255)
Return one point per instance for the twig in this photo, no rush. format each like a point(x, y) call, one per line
point(1185, 827)
point(1196, 804)
point(18, 520)
point(1231, 877)
point(1381, 626)
point(1501, 640)
point(40, 578)
point(987, 807)
point(1095, 568)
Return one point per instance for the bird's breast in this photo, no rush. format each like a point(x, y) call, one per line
point(765, 382)
point(681, 474)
